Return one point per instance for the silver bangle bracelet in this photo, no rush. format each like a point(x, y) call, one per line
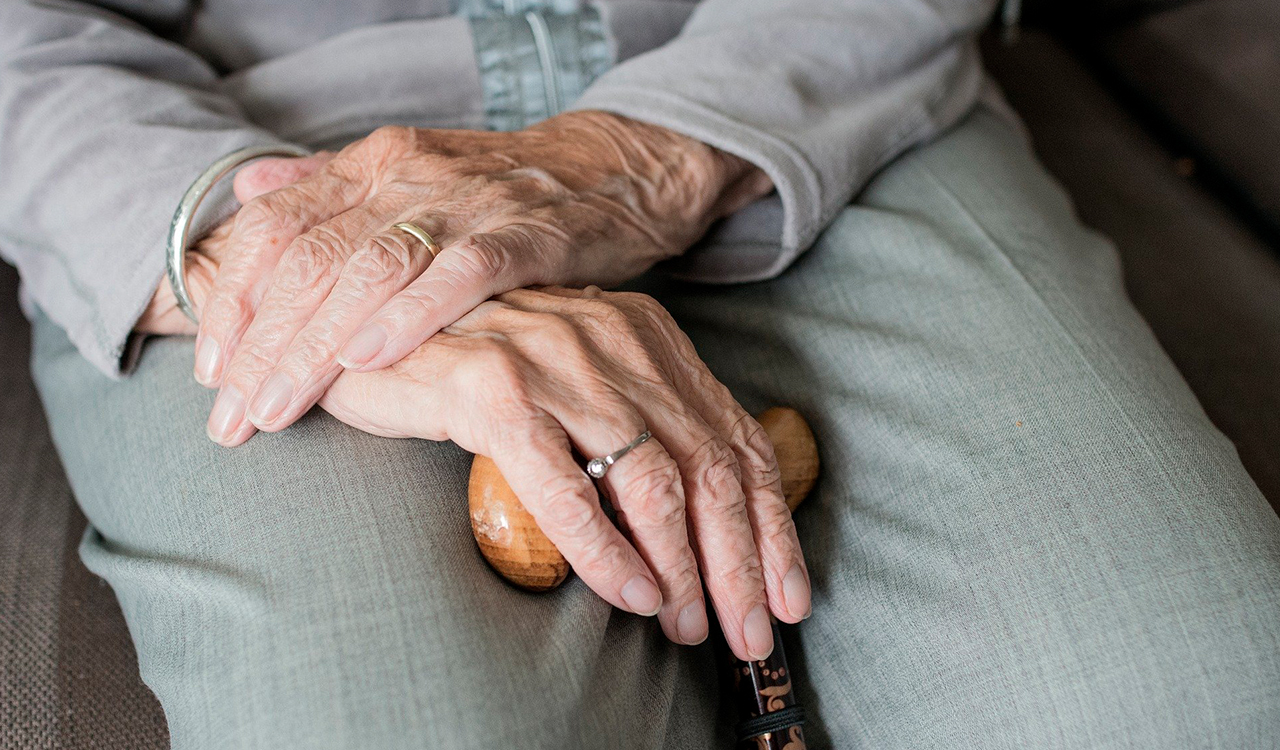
point(180, 227)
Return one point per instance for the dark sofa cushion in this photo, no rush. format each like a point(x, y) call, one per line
point(1211, 70)
point(1091, 13)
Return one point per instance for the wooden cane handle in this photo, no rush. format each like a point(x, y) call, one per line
point(513, 544)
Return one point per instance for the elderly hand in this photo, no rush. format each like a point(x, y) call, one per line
point(162, 316)
point(320, 280)
point(532, 375)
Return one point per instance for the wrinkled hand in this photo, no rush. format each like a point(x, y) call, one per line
point(319, 280)
point(162, 316)
point(532, 375)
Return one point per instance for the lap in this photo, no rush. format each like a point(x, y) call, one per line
point(320, 587)
point(1027, 531)
point(1028, 534)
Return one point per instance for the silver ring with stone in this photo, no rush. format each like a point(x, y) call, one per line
point(597, 467)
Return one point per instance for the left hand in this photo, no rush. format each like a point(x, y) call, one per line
point(532, 375)
point(319, 280)
point(163, 317)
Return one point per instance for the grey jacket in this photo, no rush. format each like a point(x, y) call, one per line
point(109, 110)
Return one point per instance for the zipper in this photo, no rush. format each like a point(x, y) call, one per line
point(547, 57)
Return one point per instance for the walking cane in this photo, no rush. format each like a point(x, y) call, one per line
point(509, 538)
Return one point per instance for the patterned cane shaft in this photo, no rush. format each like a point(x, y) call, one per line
point(768, 716)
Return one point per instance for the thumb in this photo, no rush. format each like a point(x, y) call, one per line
point(265, 175)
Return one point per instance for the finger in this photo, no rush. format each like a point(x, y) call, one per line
point(384, 265)
point(265, 175)
point(535, 459)
point(716, 505)
point(722, 535)
point(307, 271)
point(785, 573)
point(464, 275)
point(647, 493)
point(263, 229)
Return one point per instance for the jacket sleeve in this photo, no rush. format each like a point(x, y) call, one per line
point(102, 127)
point(817, 93)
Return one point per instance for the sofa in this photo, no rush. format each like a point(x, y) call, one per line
point(1160, 117)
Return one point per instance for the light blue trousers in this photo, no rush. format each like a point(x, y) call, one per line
point(1027, 534)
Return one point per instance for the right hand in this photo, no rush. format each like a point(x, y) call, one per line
point(531, 376)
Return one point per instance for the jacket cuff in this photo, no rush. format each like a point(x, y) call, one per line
point(103, 332)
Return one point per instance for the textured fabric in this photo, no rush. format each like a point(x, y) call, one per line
point(1212, 70)
point(1027, 534)
point(1209, 287)
point(68, 674)
point(102, 127)
point(104, 123)
point(31, 538)
point(791, 85)
point(535, 64)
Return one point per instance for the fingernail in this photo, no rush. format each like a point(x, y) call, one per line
point(795, 589)
point(272, 398)
point(758, 633)
point(691, 625)
point(227, 414)
point(208, 360)
point(363, 346)
point(642, 596)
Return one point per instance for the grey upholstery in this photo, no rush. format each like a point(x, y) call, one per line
point(1209, 287)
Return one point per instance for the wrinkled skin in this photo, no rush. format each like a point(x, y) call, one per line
point(530, 375)
point(321, 281)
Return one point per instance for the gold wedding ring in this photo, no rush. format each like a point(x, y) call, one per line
point(421, 234)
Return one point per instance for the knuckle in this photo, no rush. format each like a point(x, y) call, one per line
point(315, 349)
point(250, 362)
point(262, 216)
point(718, 473)
point(603, 309)
point(381, 261)
point(500, 193)
point(309, 261)
point(647, 306)
point(481, 256)
point(567, 504)
point(413, 304)
point(607, 319)
point(550, 334)
point(391, 139)
point(606, 557)
point(777, 526)
point(226, 310)
point(745, 575)
point(495, 373)
point(533, 185)
point(683, 572)
point(758, 464)
point(655, 500)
